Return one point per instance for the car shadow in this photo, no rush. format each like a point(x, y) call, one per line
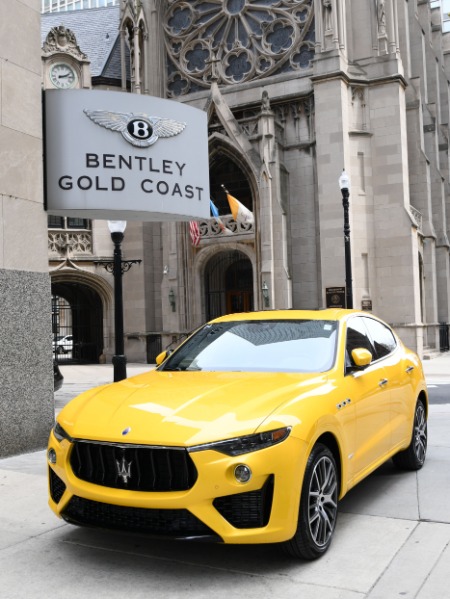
point(387, 492)
point(367, 498)
point(140, 550)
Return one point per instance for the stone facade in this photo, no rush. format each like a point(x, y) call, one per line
point(26, 397)
point(317, 85)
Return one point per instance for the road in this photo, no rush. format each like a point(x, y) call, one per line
point(439, 392)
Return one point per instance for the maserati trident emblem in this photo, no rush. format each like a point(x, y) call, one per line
point(124, 469)
point(139, 130)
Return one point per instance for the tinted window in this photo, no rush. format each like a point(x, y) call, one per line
point(357, 336)
point(382, 337)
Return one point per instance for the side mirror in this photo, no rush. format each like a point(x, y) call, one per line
point(361, 357)
point(162, 356)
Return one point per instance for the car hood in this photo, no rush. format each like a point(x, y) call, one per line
point(185, 408)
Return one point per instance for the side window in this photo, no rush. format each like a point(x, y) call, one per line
point(357, 337)
point(382, 337)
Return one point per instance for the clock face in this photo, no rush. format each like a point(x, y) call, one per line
point(63, 76)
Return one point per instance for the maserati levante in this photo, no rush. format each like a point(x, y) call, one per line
point(251, 431)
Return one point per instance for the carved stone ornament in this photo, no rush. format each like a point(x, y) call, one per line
point(62, 39)
point(234, 41)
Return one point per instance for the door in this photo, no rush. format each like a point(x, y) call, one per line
point(400, 386)
point(369, 392)
point(228, 284)
point(239, 301)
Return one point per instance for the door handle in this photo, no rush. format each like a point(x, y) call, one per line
point(383, 382)
point(409, 369)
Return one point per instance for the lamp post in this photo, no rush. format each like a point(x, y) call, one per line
point(117, 267)
point(344, 184)
point(117, 229)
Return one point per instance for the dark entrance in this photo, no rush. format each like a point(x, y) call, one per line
point(228, 284)
point(77, 323)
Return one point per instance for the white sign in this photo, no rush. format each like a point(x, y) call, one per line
point(120, 156)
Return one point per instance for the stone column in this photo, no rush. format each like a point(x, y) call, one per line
point(26, 375)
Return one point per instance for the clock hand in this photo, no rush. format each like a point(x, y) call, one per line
point(63, 76)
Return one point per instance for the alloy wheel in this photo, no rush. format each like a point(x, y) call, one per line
point(420, 433)
point(322, 501)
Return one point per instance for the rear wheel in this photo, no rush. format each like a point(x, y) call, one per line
point(413, 457)
point(318, 506)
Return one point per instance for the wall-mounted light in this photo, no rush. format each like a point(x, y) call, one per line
point(172, 300)
point(166, 270)
point(265, 294)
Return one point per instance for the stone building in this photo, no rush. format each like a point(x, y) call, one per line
point(26, 378)
point(295, 91)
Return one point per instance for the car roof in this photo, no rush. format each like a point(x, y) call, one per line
point(326, 314)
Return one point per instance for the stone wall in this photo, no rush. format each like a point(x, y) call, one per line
point(26, 378)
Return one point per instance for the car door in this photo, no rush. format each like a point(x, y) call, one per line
point(370, 394)
point(397, 370)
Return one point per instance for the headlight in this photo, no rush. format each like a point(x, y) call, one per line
point(60, 433)
point(247, 444)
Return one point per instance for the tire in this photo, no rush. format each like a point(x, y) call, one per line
point(59, 349)
point(413, 457)
point(318, 506)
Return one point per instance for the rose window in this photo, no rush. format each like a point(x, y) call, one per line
point(234, 41)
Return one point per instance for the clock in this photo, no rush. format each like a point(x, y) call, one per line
point(63, 76)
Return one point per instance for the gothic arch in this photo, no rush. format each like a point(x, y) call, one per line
point(218, 142)
point(221, 147)
point(98, 284)
point(201, 261)
point(84, 312)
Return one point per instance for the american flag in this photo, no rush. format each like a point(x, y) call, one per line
point(194, 232)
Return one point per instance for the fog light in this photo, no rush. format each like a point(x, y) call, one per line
point(51, 455)
point(242, 473)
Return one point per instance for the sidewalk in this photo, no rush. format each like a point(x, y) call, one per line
point(392, 539)
point(438, 367)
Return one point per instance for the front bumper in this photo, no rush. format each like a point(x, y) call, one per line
point(216, 507)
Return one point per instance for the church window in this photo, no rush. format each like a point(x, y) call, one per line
point(235, 41)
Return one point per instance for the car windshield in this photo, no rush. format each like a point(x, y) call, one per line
point(259, 346)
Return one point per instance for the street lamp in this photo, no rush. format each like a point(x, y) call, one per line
point(117, 229)
point(344, 184)
point(117, 267)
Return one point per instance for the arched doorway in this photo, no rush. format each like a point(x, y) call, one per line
point(77, 323)
point(228, 284)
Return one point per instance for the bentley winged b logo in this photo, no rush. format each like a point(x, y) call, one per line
point(124, 469)
point(139, 130)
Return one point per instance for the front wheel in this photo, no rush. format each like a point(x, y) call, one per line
point(318, 506)
point(413, 457)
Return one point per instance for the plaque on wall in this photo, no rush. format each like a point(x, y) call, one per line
point(335, 297)
point(366, 304)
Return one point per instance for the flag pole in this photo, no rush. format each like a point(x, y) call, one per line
point(225, 189)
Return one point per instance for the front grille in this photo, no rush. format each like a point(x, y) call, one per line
point(168, 523)
point(133, 467)
point(57, 487)
point(247, 510)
